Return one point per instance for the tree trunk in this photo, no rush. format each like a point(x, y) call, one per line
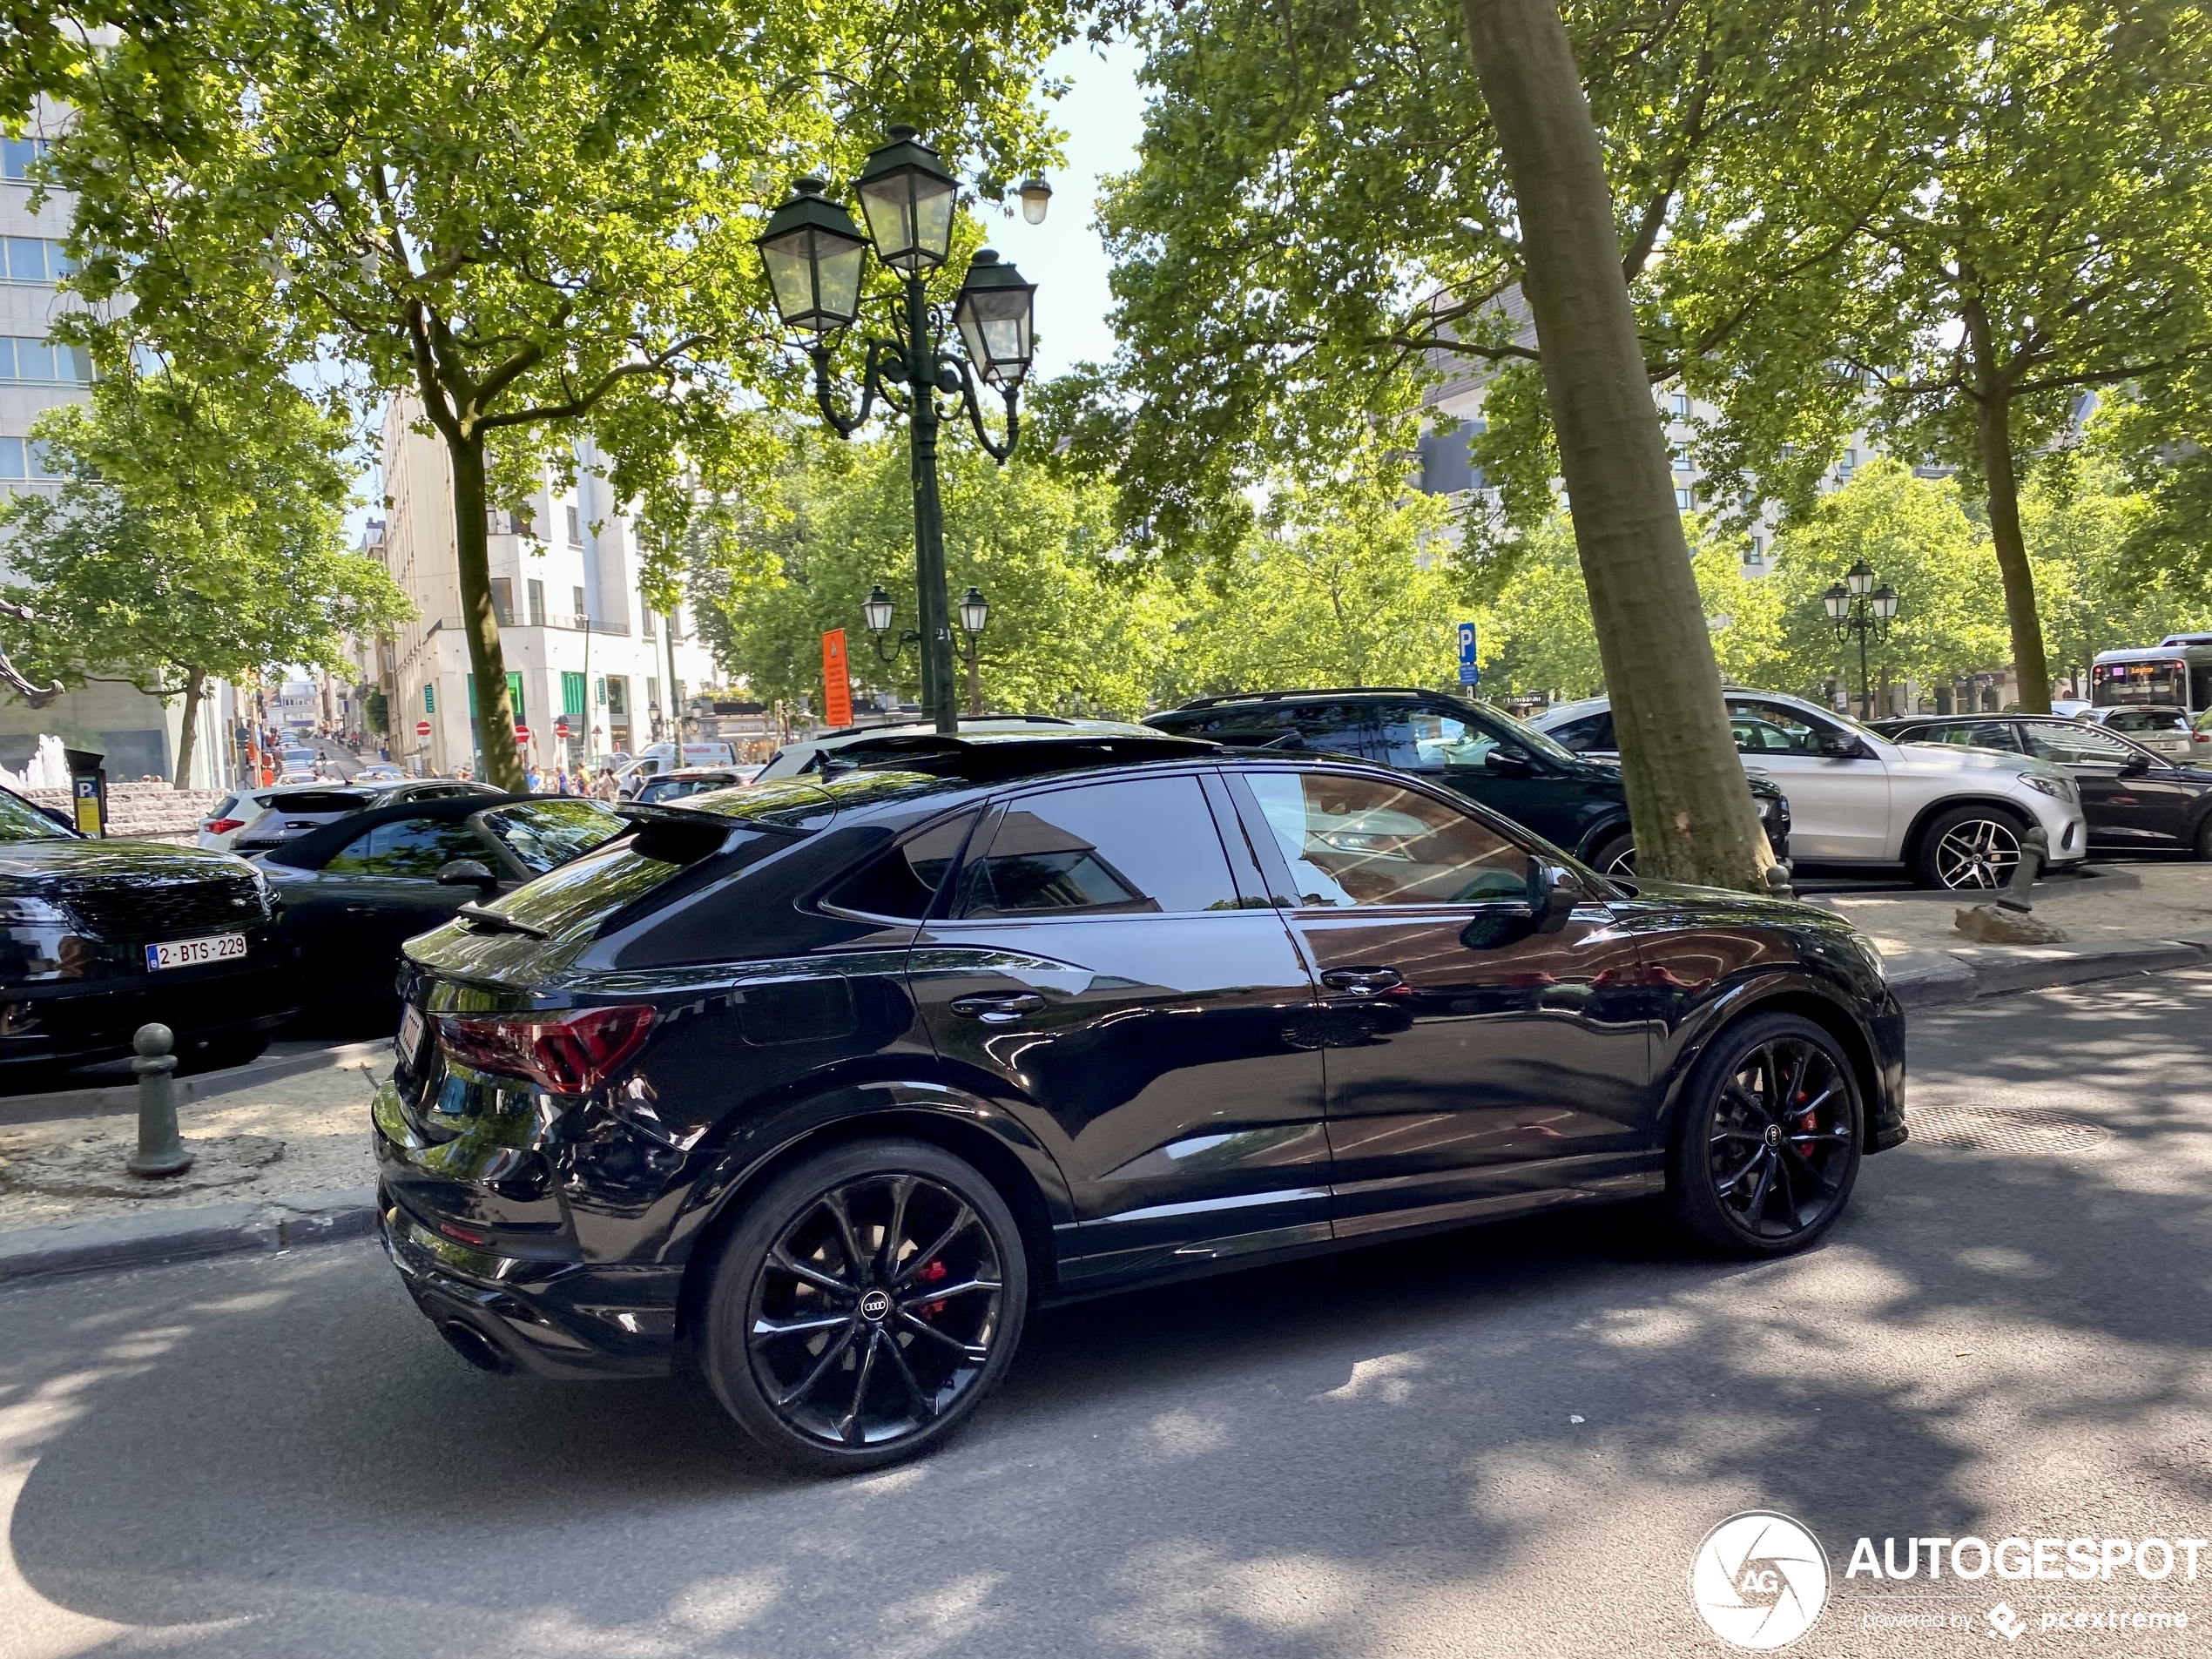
point(1993, 439)
point(1688, 798)
point(472, 543)
point(188, 741)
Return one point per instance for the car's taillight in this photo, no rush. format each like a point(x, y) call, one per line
point(224, 825)
point(566, 1053)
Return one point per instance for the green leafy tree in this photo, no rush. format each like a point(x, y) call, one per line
point(533, 218)
point(2022, 221)
point(198, 533)
point(2081, 524)
point(1070, 618)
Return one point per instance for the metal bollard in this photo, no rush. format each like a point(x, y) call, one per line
point(1778, 883)
point(161, 1150)
point(2035, 847)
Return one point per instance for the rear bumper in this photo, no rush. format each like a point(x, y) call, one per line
point(556, 1319)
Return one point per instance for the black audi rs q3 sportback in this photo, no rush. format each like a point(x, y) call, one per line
point(818, 1087)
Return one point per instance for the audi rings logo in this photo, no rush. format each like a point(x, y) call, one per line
point(1758, 1580)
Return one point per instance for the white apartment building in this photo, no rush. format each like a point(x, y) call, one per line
point(580, 645)
point(138, 734)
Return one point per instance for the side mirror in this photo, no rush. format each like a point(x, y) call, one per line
point(1840, 745)
point(1554, 892)
point(1506, 761)
point(466, 873)
point(2135, 765)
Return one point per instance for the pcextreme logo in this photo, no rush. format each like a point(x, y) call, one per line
point(1759, 1581)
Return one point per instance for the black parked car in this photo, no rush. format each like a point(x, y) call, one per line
point(273, 817)
point(827, 1083)
point(99, 938)
point(1482, 753)
point(354, 890)
point(2134, 800)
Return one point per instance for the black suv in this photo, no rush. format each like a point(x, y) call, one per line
point(819, 1086)
point(99, 938)
point(1486, 755)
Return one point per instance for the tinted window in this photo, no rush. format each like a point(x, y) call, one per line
point(1973, 734)
point(1360, 841)
point(1420, 739)
point(544, 833)
point(323, 800)
point(21, 822)
point(2140, 720)
point(595, 885)
point(1769, 728)
point(2071, 742)
point(1147, 846)
point(407, 846)
point(1305, 728)
point(1591, 732)
point(904, 880)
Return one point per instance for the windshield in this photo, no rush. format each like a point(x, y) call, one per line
point(544, 833)
point(21, 822)
point(2120, 685)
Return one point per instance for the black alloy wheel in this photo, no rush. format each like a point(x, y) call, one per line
point(865, 1305)
point(1767, 1148)
point(1616, 855)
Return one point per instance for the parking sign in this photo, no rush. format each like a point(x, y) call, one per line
point(1469, 673)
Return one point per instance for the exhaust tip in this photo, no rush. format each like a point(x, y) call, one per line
point(475, 1347)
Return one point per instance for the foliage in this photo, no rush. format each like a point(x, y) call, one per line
point(533, 217)
point(1069, 619)
point(1338, 585)
point(197, 531)
point(2083, 526)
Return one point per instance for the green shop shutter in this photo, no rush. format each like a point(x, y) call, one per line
point(572, 689)
point(514, 696)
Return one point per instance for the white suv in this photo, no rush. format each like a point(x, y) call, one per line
point(1953, 817)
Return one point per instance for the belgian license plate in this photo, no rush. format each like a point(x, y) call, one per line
point(193, 953)
point(410, 1035)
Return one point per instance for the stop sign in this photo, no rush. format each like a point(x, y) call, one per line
point(421, 728)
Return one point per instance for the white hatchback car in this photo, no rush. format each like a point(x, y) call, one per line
point(1953, 817)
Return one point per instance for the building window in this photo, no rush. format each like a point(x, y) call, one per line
point(34, 259)
point(1678, 405)
point(576, 529)
point(536, 591)
point(1682, 457)
point(582, 612)
point(647, 630)
point(44, 361)
point(502, 601)
point(652, 693)
point(1848, 465)
point(1681, 501)
point(16, 156)
point(618, 697)
point(1757, 555)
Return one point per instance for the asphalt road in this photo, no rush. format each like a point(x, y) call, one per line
point(1500, 1442)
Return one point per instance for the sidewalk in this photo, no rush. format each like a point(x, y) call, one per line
point(284, 1145)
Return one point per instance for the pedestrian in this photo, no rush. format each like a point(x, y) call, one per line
point(604, 787)
point(464, 776)
point(533, 779)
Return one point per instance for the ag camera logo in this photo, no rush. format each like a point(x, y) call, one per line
point(1759, 1581)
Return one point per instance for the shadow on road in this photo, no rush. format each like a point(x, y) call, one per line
point(1371, 1453)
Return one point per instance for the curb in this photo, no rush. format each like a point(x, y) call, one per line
point(1925, 979)
point(205, 1229)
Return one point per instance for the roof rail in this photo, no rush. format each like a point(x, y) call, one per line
point(1323, 690)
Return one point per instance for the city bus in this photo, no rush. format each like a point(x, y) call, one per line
point(2175, 673)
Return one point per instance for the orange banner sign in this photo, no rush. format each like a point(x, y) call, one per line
point(837, 682)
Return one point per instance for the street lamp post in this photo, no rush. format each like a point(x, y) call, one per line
point(816, 257)
point(1855, 605)
point(975, 615)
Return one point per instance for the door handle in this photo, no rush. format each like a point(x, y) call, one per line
point(998, 1008)
point(360, 909)
point(1363, 981)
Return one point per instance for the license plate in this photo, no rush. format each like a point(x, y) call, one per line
point(192, 952)
point(410, 1037)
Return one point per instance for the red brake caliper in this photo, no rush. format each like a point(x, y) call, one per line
point(930, 1275)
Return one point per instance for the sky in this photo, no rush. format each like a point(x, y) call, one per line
point(1103, 117)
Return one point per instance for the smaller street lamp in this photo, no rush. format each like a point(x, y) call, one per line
point(975, 616)
point(876, 610)
point(1855, 605)
point(1036, 196)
